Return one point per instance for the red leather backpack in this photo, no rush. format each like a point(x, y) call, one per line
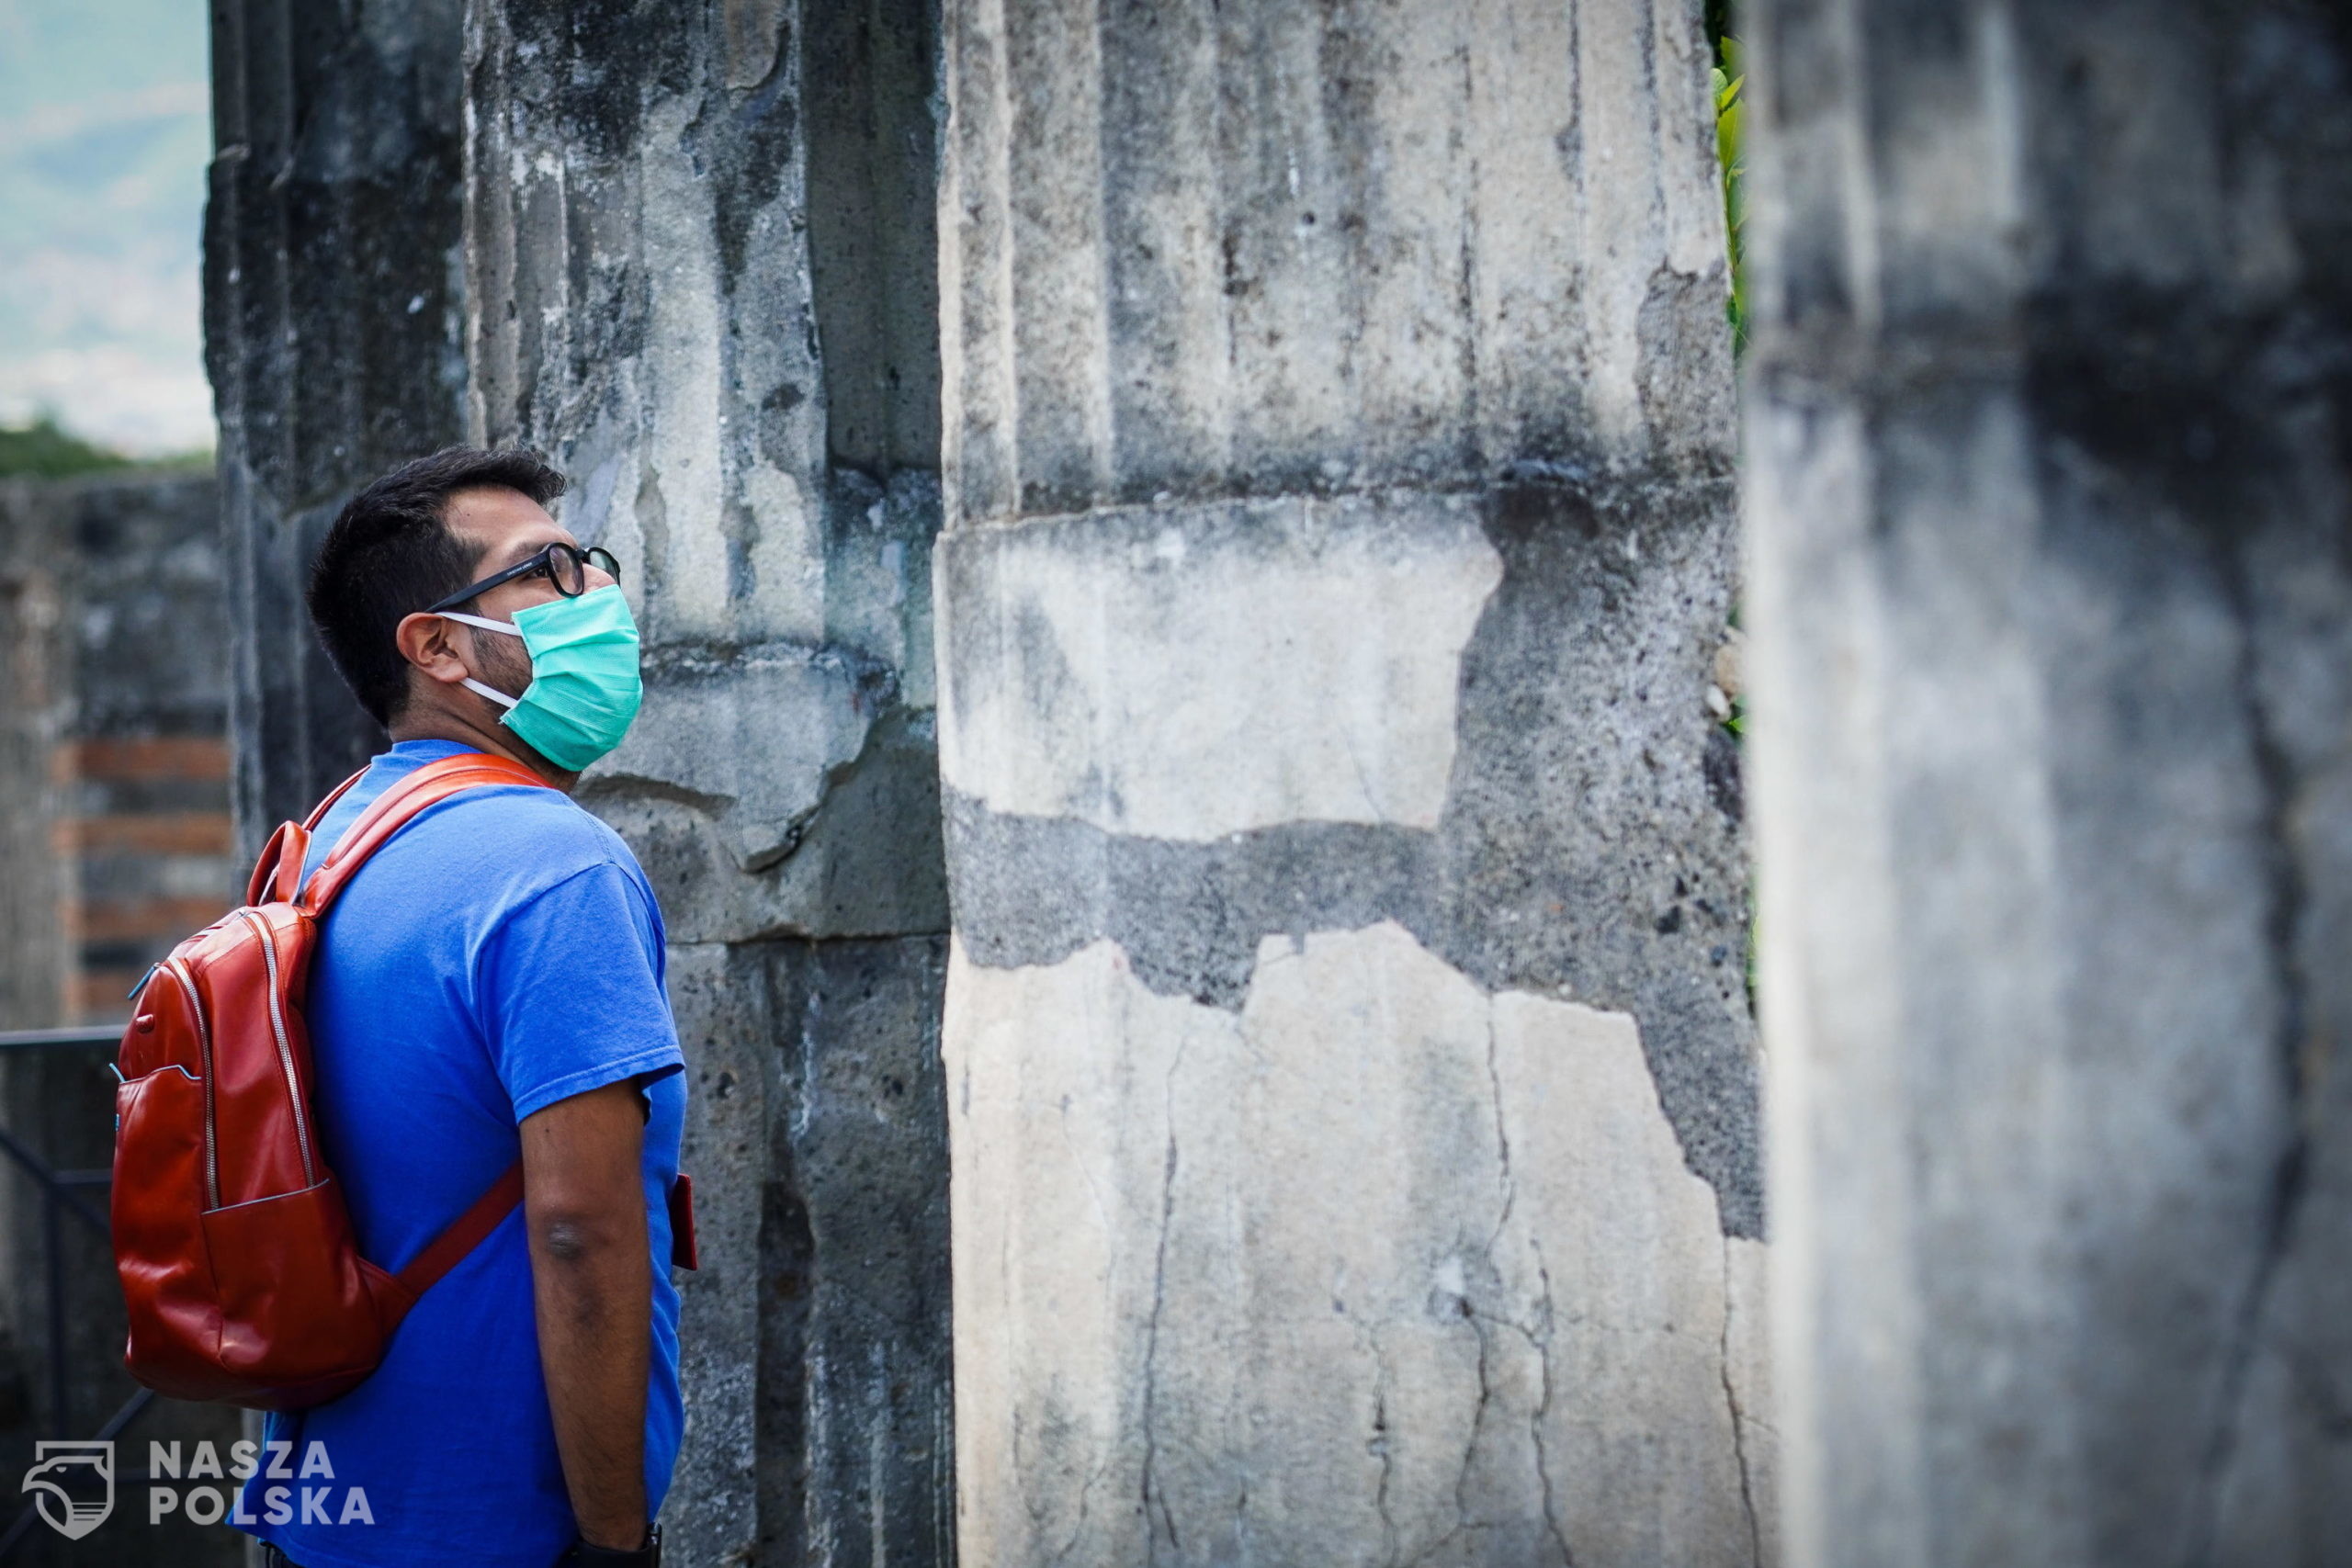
point(231, 1236)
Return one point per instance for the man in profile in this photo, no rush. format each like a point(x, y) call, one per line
point(492, 983)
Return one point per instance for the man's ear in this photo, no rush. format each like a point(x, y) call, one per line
point(429, 643)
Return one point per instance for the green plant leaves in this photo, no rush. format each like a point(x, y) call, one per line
point(1730, 82)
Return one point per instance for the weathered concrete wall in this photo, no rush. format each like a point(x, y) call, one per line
point(35, 686)
point(1349, 1069)
point(36, 957)
point(331, 324)
point(2052, 616)
point(703, 288)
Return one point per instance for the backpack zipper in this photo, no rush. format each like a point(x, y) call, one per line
point(204, 1054)
point(285, 1052)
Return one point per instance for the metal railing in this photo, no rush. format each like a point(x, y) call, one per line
point(64, 1193)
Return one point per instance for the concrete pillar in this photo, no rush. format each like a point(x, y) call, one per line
point(1350, 1072)
point(697, 262)
point(37, 587)
point(2048, 491)
point(36, 688)
point(331, 326)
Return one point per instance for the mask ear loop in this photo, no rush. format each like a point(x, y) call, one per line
point(492, 692)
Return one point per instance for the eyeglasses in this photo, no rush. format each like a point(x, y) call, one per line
point(564, 565)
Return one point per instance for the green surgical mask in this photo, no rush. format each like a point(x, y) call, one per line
point(584, 687)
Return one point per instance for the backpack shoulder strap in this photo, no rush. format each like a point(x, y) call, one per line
point(319, 812)
point(429, 785)
point(279, 869)
point(465, 1233)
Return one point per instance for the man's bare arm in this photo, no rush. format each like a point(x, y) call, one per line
point(584, 1205)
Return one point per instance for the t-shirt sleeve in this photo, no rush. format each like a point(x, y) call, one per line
point(567, 989)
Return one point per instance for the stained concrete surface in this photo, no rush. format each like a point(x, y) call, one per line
point(2052, 619)
point(1405, 1362)
point(1338, 549)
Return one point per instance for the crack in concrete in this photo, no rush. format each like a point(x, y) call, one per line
point(1462, 1520)
point(1085, 1504)
point(1543, 1409)
point(1368, 1341)
point(1151, 1499)
point(1738, 1424)
point(2275, 771)
point(1502, 1141)
point(2245, 1336)
point(1038, 1502)
point(1482, 1323)
point(1381, 1445)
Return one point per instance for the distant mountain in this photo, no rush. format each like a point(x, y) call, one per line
point(105, 131)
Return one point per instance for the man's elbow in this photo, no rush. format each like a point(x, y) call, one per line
point(576, 1233)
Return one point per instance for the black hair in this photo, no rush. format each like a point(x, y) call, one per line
point(390, 553)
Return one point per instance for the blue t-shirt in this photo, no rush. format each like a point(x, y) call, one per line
point(500, 953)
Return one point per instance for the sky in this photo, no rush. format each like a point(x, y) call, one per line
point(104, 132)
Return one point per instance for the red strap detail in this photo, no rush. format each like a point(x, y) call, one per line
point(278, 872)
point(319, 812)
point(465, 1233)
point(429, 785)
point(280, 863)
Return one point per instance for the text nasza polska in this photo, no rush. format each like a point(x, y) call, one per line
point(275, 1460)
